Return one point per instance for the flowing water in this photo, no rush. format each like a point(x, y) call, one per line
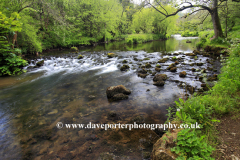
point(70, 90)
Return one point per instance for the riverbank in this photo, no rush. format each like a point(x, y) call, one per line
point(216, 112)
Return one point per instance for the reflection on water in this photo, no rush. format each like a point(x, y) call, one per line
point(69, 90)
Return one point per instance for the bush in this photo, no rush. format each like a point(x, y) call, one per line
point(190, 146)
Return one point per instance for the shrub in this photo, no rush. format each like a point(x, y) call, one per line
point(190, 146)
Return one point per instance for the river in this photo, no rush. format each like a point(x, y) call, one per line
point(70, 90)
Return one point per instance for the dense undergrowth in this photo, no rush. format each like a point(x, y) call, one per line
point(220, 100)
point(207, 38)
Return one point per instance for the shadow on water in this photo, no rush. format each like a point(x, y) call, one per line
point(69, 90)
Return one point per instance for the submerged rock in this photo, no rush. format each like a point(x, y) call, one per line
point(183, 74)
point(159, 83)
point(120, 96)
point(117, 92)
point(188, 41)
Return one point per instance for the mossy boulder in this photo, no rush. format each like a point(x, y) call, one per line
point(171, 66)
point(74, 49)
point(190, 54)
point(124, 61)
point(154, 73)
point(157, 69)
point(142, 71)
point(174, 58)
point(193, 69)
point(80, 57)
point(117, 92)
point(111, 55)
point(163, 60)
point(124, 67)
point(40, 63)
point(158, 66)
point(142, 75)
point(160, 77)
point(174, 69)
point(183, 74)
point(145, 59)
point(196, 52)
point(135, 59)
point(176, 62)
point(148, 65)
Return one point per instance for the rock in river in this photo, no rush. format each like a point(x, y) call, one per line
point(117, 92)
point(182, 74)
point(160, 77)
point(40, 63)
point(124, 67)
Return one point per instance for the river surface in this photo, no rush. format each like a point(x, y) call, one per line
point(70, 90)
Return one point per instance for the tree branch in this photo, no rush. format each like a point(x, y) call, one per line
point(28, 6)
point(204, 18)
point(191, 6)
point(162, 7)
point(192, 13)
point(158, 10)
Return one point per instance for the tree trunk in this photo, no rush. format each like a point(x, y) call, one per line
point(216, 22)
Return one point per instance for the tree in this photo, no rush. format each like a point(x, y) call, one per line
point(210, 5)
point(10, 62)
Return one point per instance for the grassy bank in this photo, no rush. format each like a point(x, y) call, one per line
point(223, 99)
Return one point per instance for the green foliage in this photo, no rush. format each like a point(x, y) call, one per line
point(148, 21)
point(10, 63)
point(190, 146)
point(29, 40)
point(189, 34)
